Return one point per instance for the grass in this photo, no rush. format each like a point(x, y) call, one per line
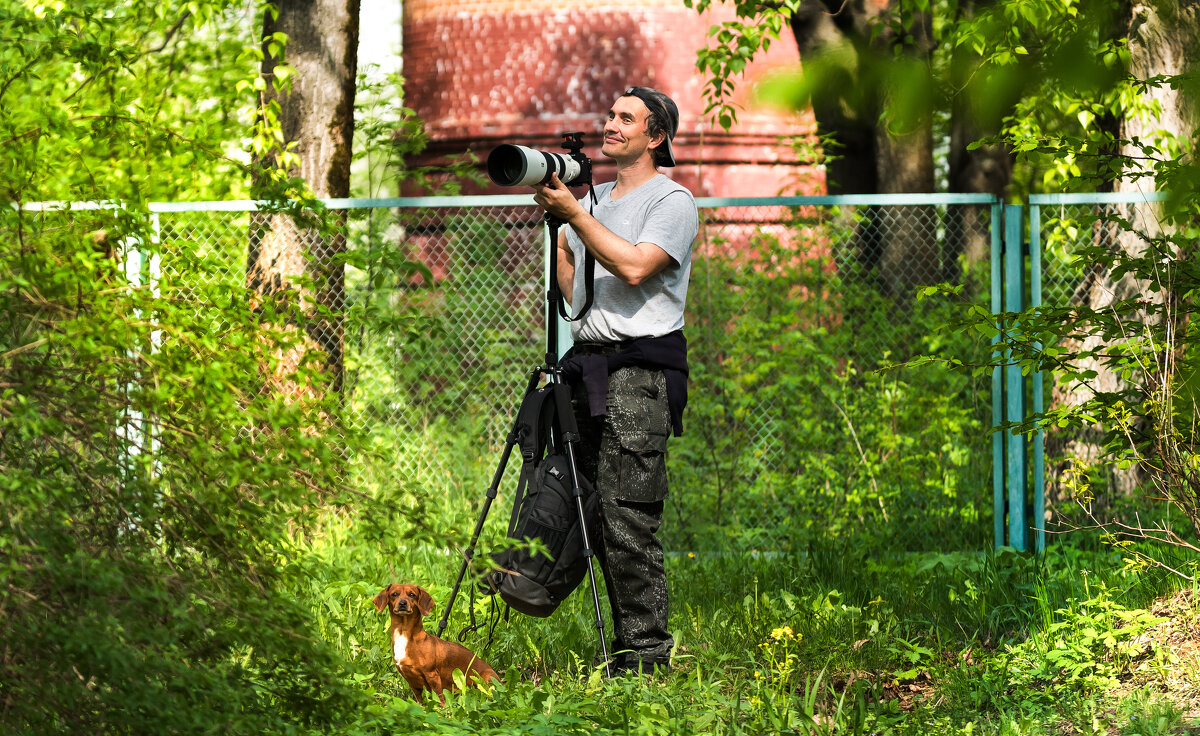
point(822, 641)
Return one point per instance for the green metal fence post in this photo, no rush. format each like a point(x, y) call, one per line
point(1014, 288)
point(1039, 445)
point(998, 475)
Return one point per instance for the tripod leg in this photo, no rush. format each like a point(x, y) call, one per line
point(570, 435)
point(469, 554)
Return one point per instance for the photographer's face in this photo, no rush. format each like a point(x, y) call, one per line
point(625, 137)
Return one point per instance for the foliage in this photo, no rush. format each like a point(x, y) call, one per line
point(1122, 353)
point(451, 334)
point(1117, 341)
point(155, 499)
point(1055, 75)
point(1086, 645)
point(181, 552)
point(1141, 336)
point(387, 135)
point(792, 434)
point(421, 287)
point(1050, 78)
point(120, 101)
point(829, 640)
point(735, 43)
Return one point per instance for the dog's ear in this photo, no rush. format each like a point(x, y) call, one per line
point(424, 602)
point(381, 600)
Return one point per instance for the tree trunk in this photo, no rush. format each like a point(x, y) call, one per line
point(293, 265)
point(1163, 39)
point(846, 49)
point(830, 36)
point(985, 170)
point(909, 247)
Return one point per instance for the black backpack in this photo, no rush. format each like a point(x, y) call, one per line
point(544, 509)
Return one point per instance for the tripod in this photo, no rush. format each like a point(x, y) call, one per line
point(568, 435)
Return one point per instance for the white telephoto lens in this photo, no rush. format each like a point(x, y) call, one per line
point(511, 165)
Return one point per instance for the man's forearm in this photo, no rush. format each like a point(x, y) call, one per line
point(632, 263)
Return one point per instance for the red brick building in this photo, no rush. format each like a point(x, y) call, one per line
point(484, 72)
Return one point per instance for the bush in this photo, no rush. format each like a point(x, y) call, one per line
point(793, 431)
point(154, 494)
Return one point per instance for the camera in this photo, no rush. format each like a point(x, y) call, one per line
point(510, 165)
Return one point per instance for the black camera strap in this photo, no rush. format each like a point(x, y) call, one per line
point(589, 275)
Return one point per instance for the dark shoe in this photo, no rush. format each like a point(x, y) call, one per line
point(616, 656)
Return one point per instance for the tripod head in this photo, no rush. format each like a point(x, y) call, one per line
point(572, 143)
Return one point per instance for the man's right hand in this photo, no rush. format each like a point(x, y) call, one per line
point(557, 199)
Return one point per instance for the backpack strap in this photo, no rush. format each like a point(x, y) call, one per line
point(519, 498)
point(532, 429)
point(533, 423)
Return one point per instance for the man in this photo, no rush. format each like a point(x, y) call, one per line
point(629, 356)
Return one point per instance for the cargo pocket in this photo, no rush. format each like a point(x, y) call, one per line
point(641, 422)
point(643, 467)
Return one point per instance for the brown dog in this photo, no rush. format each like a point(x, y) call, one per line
point(425, 661)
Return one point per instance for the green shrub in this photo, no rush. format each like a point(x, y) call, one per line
point(794, 434)
point(154, 494)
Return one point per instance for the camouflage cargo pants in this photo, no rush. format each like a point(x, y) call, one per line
point(623, 453)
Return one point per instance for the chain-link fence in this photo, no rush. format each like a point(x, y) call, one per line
point(1074, 235)
point(1068, 225)
point(793, 304)
point(792, 435)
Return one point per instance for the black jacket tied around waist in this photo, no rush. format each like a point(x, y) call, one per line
point(594, 362)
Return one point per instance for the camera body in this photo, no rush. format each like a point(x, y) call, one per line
point(511, 165)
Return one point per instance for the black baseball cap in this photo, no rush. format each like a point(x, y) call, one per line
point(663, 108)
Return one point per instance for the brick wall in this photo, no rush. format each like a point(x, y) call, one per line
point(483, 72)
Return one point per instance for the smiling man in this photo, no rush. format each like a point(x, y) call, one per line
point(629, 359)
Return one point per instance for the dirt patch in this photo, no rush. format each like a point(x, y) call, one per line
point(1168, 661)
point(907, 693)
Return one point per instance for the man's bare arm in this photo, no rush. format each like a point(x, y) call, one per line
point(566, 267)
point(633, 263)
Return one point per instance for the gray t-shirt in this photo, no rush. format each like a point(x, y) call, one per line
point(661, 212)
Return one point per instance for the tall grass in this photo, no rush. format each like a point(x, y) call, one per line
point(834, 638)
point(829, 557)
